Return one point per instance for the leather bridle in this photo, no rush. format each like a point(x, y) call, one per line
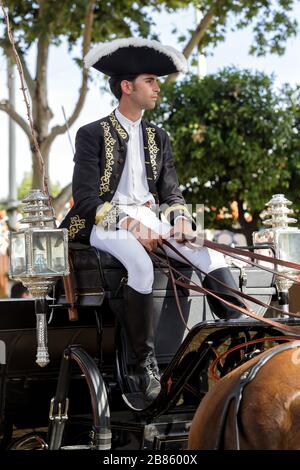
point(234, 399)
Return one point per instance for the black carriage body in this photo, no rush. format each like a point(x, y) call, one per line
point(26, 389)
point(99, 275)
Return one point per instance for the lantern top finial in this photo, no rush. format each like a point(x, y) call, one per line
point(278, 212)
point(39, 210)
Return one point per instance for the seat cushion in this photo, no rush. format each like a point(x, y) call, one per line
point(89, 257)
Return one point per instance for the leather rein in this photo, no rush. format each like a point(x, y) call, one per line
point(184, 282)
point(235, 397)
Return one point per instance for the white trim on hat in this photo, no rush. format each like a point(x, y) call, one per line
point(104, 49)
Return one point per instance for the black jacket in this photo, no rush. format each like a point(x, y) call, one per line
point(101, 149)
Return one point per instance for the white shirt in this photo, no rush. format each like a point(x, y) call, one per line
point(133, 190)
point(133, 187)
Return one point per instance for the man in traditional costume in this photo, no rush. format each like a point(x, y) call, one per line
point(123, 171)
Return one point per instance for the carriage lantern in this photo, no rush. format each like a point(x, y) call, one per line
point(284, 240)
point(38, 257)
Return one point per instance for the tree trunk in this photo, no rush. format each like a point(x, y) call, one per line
point(247, 227)
point(196, 38)
point(37, 87)
point(61, 200)
point(37, 174)
point(41, 112)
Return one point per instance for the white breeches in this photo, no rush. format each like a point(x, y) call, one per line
point(130, 252)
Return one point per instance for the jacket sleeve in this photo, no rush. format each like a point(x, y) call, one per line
point(86, 175)
point(86, 181)
point(171, 200)
point(85, 185)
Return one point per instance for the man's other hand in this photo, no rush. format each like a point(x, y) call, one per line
point(182, 231)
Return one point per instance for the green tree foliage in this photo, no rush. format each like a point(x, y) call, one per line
point(47, 23)
point(43, 24)
point(231, 138)
point(26, 184)
point(272, 22)
point(64, 20)
point(292, 106)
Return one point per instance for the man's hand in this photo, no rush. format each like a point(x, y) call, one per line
point(182, 231)
point(147, 237)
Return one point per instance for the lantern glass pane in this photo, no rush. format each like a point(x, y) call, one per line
point(58, 261)
point(18, 254)
point(40, 252)
point(48, 252)
point(289, 248)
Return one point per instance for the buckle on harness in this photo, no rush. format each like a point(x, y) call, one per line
point(62, 412)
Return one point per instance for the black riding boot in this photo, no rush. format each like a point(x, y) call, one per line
point(219, 308)
point(138, 322)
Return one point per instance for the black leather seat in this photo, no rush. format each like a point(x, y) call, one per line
point(88, 258)
point(97, 270)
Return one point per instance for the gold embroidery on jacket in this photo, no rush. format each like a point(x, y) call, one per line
point(153, 149)
point(76, 224)
point(118, 126)
point(109, 143)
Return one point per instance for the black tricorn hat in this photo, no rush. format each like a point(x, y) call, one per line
point(134, 56)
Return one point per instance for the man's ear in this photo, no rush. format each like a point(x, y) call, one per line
point(126, 87)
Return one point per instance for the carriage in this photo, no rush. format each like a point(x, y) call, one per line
point(85, 397)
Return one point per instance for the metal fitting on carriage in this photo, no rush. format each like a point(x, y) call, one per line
point(283, 242)
point(243, 278)
point(39, 256)
point(101, 439)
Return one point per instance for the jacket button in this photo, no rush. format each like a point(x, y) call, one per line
point(121, 149)
point(111, 191)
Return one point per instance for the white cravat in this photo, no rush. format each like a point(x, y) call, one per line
point(133, 187)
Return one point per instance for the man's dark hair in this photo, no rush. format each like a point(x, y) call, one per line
point(115, 84)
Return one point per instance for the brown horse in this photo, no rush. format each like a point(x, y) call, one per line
point(256, 406)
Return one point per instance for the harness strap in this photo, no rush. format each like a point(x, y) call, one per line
point(254, 263)
point(237, 394)
point(250, 313)
point(70, 292)
point(232, 289)
point(188, 286)
point(174, 285)
point(212, 369)
point(225, 249)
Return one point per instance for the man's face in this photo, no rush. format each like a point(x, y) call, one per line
point(144, 91)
